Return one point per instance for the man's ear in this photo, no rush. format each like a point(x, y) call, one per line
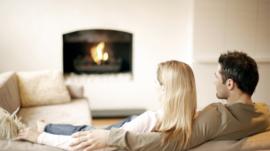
point(230, 84)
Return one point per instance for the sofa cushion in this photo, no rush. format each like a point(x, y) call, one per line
point(75, 91)
point(256, 142)
point(42, 88)
point(9, 94)
point(6, 145)
point(75, 112)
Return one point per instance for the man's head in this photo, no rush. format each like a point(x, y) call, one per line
point(236, 70)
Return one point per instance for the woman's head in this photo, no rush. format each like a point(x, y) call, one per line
point(178, 99)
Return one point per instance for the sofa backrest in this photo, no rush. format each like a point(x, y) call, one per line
point(9, 93)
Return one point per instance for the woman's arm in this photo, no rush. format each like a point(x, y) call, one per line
point(59, 141)
point(143, 123)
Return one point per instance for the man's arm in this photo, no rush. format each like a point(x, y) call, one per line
point(206, 127)
point(127, 140)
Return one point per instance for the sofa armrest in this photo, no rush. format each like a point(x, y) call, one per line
point(75, 91)
point(9, 92)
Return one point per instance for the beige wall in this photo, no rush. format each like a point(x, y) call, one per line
point(230, 24)
point(31, 39)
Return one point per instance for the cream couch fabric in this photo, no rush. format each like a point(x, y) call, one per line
point(42, 88)
point(9, 94)
point(258, 142)
point(75, 112)
point(24, 146)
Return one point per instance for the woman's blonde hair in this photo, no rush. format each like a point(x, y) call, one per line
point(179, 101)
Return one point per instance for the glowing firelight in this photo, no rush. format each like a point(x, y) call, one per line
point(98, 54)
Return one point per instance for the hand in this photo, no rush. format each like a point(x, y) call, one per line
point(89, 140)
point(28, 134)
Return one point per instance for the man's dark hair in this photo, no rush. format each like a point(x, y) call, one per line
point(241, 68)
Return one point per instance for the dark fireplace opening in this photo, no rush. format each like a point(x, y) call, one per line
point(97, 51)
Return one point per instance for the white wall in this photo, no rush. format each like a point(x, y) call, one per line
point(230, 24)
point(31, 39)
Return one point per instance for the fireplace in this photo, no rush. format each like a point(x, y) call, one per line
point(97, 51)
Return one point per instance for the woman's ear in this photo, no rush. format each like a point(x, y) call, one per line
point(230, 84)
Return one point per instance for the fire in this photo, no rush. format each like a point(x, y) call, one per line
point(98, 53)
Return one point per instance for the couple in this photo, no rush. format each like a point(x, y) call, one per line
point(177, 126)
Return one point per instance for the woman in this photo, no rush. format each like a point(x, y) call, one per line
point(175, 119)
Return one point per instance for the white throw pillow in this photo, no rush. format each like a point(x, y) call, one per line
point(42, 88)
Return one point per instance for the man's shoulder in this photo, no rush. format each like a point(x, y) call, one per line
point(207, 124)
point(210, 114)
point(213, 107)
point(215, 104)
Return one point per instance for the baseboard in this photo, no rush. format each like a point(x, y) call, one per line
point(113, 113)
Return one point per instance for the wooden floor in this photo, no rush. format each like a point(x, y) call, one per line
point(102, 122)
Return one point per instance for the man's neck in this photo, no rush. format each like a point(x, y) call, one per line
point(240, 98)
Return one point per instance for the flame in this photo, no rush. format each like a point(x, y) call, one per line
point(98, 54)
point(105, 56)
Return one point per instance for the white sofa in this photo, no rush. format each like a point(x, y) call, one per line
point(75, 112)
